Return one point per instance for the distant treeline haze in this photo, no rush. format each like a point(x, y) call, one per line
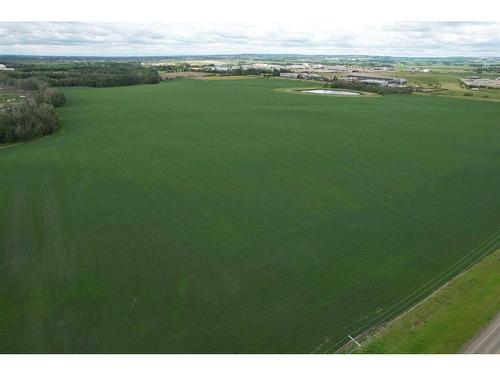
point(360, 86)
point(92, 74)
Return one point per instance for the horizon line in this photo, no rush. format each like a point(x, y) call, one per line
point(2, 54)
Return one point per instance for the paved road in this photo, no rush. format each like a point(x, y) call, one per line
point(487, 341)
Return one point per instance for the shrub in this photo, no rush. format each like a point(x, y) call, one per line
point(27, 121)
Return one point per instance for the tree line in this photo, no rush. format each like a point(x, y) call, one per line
point(92, 74)
point(360, 86)
point(32, 117)
point(488, 69)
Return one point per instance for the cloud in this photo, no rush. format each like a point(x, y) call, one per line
point(106, 39)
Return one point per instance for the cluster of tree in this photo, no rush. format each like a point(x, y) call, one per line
point(93, 74)
point(40, 91)
point(488, 69)
point(176, 67)
point(172, 68)
point(242, 72)
point(35, 116)
point(28, 83)
point(107, 80)
point(360, 86)
point(27, 121)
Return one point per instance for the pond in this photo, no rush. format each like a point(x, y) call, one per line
point(332, 92)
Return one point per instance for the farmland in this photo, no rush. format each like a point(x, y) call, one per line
point(233, 216)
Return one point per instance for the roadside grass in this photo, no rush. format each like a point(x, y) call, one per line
point(445, 321)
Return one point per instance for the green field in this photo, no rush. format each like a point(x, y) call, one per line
point(227, 216)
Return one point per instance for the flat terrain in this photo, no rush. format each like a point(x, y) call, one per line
point(448, 320)
point(445, 82)
point(226, 216)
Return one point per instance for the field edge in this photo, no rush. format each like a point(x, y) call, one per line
point(411, 332)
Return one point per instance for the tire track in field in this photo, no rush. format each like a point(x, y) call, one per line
point(58, 270)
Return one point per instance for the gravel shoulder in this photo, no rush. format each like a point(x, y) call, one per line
point(487, 341)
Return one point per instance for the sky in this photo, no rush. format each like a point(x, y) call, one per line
point(154, 39)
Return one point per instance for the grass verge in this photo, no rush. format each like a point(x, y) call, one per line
point(446, 320)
